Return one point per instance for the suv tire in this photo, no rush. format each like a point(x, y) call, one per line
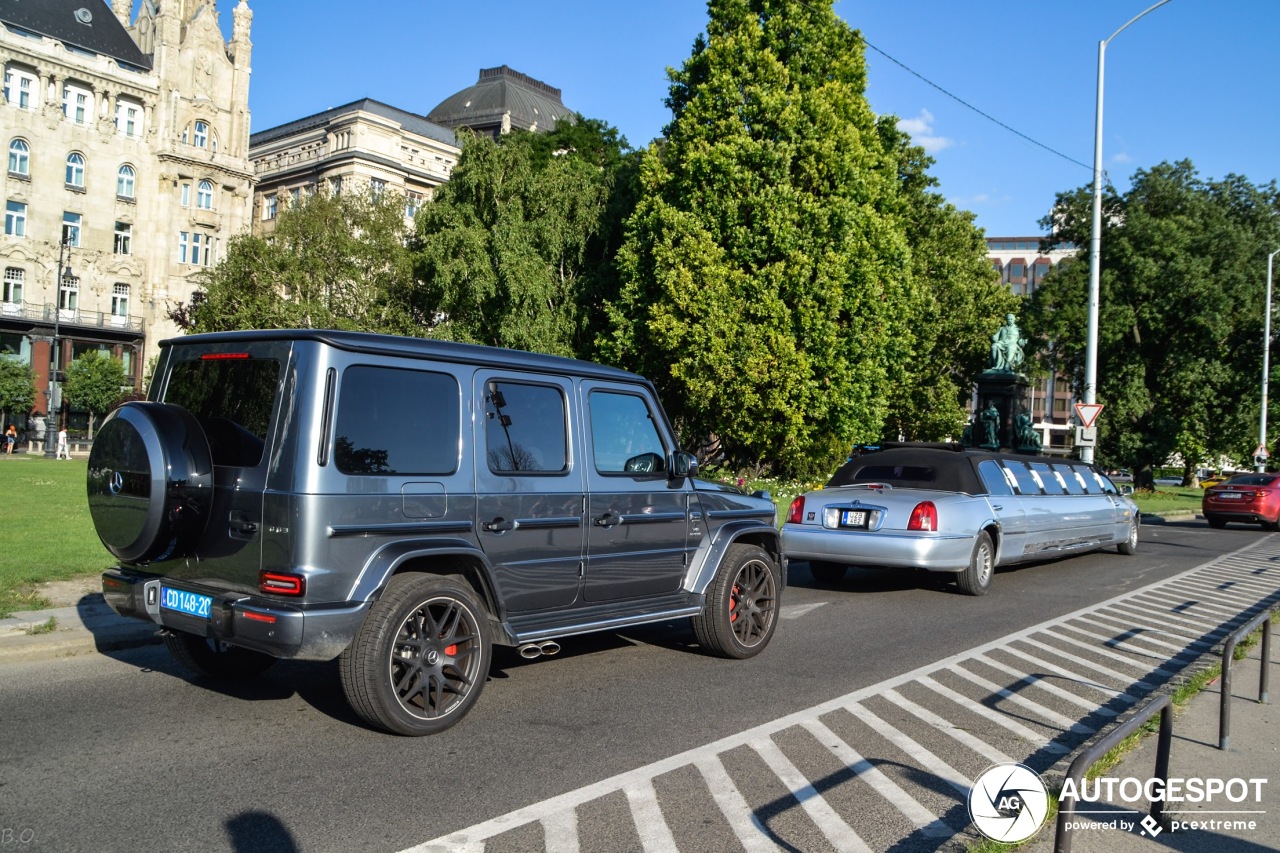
point(741, 610)
point(214, 659)
point(421, 657)
point(150, 482)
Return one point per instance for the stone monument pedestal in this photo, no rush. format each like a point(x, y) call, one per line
point(1007, 393)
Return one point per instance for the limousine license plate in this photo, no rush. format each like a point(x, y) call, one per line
point(856, 518)
point(190, 603)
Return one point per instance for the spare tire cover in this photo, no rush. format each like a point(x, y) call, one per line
point(150, 482)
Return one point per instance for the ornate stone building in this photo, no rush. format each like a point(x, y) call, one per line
point(128, 156)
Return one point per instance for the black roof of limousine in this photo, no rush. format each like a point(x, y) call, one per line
point(935, 466)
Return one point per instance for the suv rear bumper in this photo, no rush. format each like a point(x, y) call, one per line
point(252, 622)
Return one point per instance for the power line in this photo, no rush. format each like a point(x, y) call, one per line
point(970, 106)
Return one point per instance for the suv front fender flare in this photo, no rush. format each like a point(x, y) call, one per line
point(706, 560)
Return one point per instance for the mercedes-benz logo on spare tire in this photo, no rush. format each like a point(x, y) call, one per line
point(1008, 803)
point(116, 484)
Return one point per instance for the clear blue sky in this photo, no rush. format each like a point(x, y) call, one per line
point(1194, 79)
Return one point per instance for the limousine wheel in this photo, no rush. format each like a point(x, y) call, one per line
point(976, 579)
point(1130, 544)
point(150, 482)
point(421, 658)
point(824, 572)
point(741, 609)
point(215, 659)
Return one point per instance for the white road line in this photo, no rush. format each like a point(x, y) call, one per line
point(926, 759)
point(1123, 645)
point(1008, 695)
point(655, 835)
point(795, 611)
point(1160, 626)
point(1047, 686)
point(1029, 735)
point(742, 820)
point(1106, 652)
point(1137, 633)
point(920, 817)
point(948, 728)
point(1191, 623)
point(560, 831)
point(1094, 668)
point(829, 823)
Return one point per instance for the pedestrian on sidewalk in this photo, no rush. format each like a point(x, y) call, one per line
point(62, 451)
point(10, 439)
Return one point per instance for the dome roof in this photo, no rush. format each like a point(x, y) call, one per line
point(500, 100)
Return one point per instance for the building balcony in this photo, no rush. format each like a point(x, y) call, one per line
point(72, 318)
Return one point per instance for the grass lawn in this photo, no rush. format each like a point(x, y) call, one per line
point(46, 533)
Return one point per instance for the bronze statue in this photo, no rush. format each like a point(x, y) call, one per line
point(990, 420)
point(1006, 346)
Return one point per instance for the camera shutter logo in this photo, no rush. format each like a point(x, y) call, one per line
point(1008, 803)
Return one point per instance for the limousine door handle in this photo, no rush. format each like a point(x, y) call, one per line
point(997, 507)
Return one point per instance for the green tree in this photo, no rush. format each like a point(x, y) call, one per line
point(765, 278)
point(97, 382)
point(957, 301)
point(17, 387)
point(333, 261)
point(517, 249)
point(1180, 318)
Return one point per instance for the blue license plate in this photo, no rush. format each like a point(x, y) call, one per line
point(854, 518)
point(190, 603)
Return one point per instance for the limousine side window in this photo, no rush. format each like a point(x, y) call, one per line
point(1071, 481)
point(1024, 477)
point(1107, 486)
point(1049, 479)
point(394, 421)
point(525, 428)
point(997, 480)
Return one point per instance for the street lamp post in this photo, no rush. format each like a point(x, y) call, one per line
point(51, 392)
point(1260, 461)
point(1095, 238)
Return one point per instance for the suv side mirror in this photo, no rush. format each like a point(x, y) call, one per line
point(683, 465)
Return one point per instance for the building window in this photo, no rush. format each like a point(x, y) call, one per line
point(120, 300)
point(77, 103)
point(75, 170)
point(19, 87)
point(19, 158)
point(295, 195)
point(201, 137)
point(269, 206)
point(204, 195)
point(13, 281)
point(184, 244)
point(377, 187)
point(124, 238)
point(124, 181)
point(186, 194)
point(71, 228)
point(335, 186)
point(15, 218)
point(128, 118)
point(69, 294)
point(1059, 406)
point(412, 204)
point(1016, 270)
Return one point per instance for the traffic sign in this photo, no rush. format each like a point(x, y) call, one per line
point(1088, 413)
point(1086, 436)
point(1260, 453)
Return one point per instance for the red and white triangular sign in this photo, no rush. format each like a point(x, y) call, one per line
point(1088, 413)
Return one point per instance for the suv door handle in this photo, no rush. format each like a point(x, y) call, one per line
point(609, 519)
point(500, 524)
point(241, 523)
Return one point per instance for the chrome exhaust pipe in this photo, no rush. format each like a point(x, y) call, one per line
point(529, 651)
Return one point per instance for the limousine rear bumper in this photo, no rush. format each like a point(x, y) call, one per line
point(935, 552)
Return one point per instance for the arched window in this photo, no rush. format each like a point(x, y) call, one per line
point(124, 181)
point(201, 136)
point(75, 169)
point(19, 157)
point(204, 195)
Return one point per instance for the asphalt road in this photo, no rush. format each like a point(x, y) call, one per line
point(128, 752)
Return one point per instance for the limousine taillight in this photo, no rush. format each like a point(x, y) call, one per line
point(924, 517)
point(796, 515)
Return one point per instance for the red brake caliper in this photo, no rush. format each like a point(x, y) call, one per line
point(733, 603)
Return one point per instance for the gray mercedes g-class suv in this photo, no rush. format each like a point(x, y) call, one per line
point(404, 504)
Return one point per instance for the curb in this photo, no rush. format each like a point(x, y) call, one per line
point(91, 626)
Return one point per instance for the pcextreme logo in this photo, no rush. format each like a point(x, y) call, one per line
point(1008, 803)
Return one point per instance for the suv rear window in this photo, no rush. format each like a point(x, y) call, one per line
point(232, 399)
point(393, 421)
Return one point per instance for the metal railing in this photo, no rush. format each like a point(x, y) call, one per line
point(73, 317)
point(1228, 655)
point(1080, 766)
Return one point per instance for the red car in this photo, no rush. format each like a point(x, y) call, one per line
point(1247, 498)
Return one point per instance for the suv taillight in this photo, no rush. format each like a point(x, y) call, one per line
point(282, 583)
point(924, 517)
point(797, 511)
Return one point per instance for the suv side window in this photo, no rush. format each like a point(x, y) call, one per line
point(231, 397)
point(525, 428)
point(624, 438)
point(393, 421)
